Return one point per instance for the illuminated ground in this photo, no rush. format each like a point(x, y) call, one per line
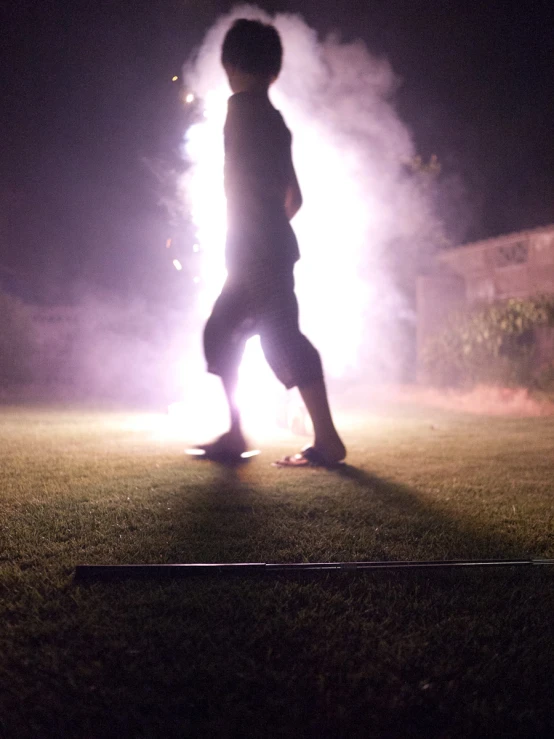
point(405, 654)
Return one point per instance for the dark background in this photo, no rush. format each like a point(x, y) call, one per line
point(89, 113)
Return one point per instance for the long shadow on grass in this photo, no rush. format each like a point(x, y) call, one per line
point(314, 515)
point(218, 518)
point(411, 526)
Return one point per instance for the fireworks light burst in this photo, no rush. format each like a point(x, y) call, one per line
point(348, 149)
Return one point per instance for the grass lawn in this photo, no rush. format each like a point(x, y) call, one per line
point(384, 654)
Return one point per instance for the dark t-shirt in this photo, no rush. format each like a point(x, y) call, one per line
point(258, 170)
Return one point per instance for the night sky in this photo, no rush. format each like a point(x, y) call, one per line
point(90, 115)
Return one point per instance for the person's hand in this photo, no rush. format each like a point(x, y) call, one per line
point(293, 197)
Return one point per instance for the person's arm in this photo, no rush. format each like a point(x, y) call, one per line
point(293, 195)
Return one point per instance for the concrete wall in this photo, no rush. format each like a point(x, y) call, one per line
point(516, 265)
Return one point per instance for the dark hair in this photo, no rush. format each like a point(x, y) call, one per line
point(253, 47)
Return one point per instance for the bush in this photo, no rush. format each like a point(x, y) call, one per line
point(16, 342)
point(495, 344)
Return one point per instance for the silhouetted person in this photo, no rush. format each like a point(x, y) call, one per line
point(258, 297)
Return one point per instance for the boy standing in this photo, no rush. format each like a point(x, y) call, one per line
point(258, 297)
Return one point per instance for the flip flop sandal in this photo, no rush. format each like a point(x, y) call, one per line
point(308, 457)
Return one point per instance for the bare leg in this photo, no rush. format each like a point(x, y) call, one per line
point(234, 438)
point(327, 441)
point(230, 445)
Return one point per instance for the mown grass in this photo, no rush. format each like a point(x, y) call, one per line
point(388, 654)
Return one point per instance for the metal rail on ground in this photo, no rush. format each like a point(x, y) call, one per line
point(85, 573)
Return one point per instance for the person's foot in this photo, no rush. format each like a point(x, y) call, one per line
point(312, 456)
point(332, 450)
point(228, 446)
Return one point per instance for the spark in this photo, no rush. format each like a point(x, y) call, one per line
point(168, 243)
point(177, 264)
point(189, 98)
point(174, 78)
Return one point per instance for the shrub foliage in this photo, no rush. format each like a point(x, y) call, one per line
point(495, 344)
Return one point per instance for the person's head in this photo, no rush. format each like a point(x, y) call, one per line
point(251, 54)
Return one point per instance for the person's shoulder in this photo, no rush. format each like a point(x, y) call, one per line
point(236, 99)
point(247, 110)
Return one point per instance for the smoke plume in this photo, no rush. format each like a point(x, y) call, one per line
point(366, 225)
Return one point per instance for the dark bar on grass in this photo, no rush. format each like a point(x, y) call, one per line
point(177, 571)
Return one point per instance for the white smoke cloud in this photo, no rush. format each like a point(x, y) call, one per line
point(102, 348)
point(360, 207)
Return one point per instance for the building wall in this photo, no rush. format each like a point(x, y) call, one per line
point(516, 265)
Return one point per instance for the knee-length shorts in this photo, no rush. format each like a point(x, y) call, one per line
point(264, 305)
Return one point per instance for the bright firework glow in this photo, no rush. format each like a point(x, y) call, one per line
point(349, 148)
